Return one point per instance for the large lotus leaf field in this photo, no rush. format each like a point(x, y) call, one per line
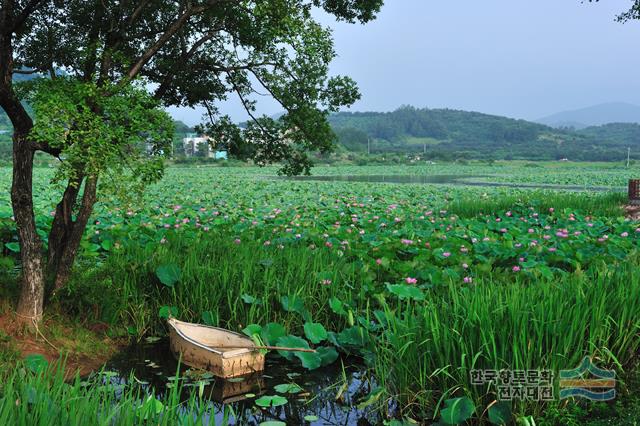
point(421, 284)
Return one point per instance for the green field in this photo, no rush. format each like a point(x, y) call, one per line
point(420, 283)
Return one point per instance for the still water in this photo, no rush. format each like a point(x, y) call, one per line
point(330, 394)
point(461, 180)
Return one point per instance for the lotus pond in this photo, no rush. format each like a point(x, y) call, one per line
point(419, 284)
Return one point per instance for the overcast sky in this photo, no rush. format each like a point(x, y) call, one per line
point(518, 58)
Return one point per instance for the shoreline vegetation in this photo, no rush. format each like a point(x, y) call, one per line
point(422, 283)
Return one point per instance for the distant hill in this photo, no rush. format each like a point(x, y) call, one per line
point(616, 112)
point(445, 133)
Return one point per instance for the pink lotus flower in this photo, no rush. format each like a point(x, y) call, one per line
point(379, 261)
point(237, 241)
point(446, 254)
point(410, 280)
point(516, 269)
point(468, 280)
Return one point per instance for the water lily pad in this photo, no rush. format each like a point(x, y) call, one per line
point(271, 401)
point(311, 418)
point(273, 423)
point(288, 388)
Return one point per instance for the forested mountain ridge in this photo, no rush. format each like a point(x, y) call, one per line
point(462, 134)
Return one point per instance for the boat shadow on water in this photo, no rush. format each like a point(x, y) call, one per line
point(331, 394)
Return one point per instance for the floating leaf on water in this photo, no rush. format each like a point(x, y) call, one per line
point(250, 395)
point(271, 401)
point(372, 398)
point(311, 418)
point(273, 423)
point(288, 388)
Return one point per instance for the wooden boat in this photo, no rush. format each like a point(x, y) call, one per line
point(225, 353)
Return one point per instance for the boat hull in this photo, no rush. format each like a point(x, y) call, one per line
point(197, 355)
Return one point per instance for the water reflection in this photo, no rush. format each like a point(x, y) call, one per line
point(155, 370)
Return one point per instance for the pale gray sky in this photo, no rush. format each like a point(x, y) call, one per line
point(518, 58)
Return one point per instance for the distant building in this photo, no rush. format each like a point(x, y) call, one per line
point(199, 146)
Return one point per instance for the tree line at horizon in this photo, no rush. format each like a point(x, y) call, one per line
point(447, 134)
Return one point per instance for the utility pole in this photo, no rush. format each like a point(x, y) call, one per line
point(368, 146)
point(628, 156)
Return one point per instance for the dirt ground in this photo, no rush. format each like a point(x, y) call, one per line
point(85, 352)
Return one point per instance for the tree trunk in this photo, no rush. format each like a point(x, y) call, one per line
point(61, 226)
point(74, 233)
point(30, 304)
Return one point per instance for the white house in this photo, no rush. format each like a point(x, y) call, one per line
point(199, 145)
